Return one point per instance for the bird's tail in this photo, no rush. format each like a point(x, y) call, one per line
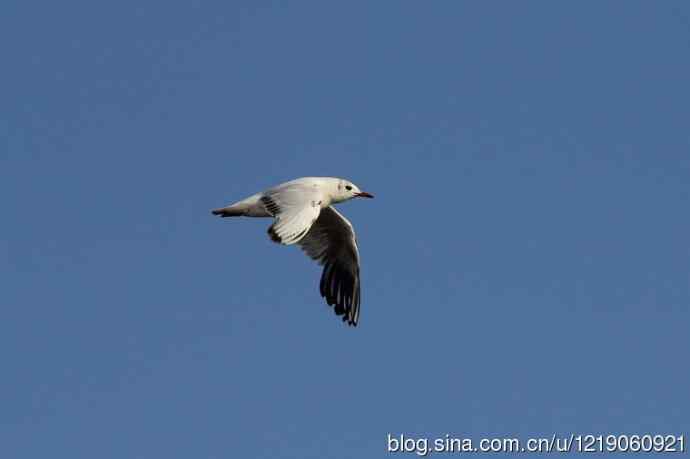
point(230, 211)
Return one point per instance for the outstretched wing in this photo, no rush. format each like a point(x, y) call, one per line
point(295, 208)
point(332, 242)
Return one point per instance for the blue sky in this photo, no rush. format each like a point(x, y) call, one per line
point(525, 264)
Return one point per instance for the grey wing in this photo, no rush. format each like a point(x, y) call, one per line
point(331, 241)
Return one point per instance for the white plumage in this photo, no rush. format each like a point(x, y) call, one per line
point(303, 214)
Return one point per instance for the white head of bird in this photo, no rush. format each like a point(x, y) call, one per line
point(346, 190)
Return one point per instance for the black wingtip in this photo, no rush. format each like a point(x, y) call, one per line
point(273, 235)
point(341, 291)
point(350, 321)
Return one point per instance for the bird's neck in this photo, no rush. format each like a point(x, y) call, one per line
point(331, 193)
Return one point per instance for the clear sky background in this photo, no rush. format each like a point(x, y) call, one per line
point(525, 264)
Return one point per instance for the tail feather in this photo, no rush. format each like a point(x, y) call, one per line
point(227, 212)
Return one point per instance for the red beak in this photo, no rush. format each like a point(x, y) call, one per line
point(364, 194)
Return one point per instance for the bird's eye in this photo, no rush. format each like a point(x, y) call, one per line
point(348, 187)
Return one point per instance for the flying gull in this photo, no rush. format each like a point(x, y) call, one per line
point(303, 214)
